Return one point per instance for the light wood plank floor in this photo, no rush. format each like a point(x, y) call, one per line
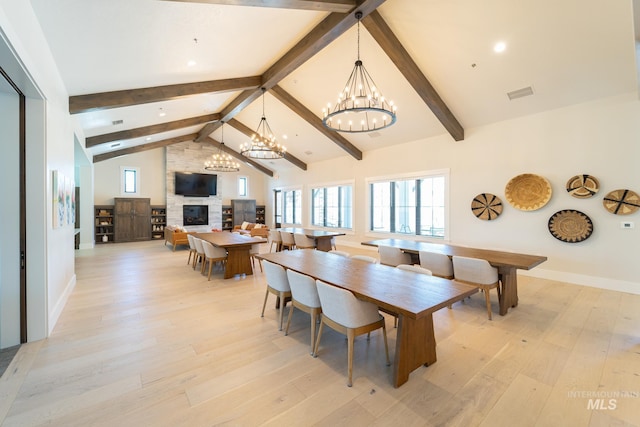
point(146, 341)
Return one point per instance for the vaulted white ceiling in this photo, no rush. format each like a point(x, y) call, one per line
point(567, 51)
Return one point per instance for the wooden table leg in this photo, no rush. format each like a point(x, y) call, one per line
point(415, 346)
point(323, 244)
point(238, 261)
point(509, 297)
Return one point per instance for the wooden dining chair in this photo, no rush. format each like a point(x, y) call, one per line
point(212, 254)
point(288, 241)
point(393, 256)
point(275, 239)
point(304, 296)
point(303, 242)
point(277, 284)
point(439, 264)
point(344, 313)
point(479, 273)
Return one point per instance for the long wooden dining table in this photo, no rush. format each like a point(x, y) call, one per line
point(322, 237)
point(238, 249)
point(507, 263)
point(412, 297)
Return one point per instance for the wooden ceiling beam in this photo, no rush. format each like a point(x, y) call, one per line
point(302, 111)
point(125, 98)
point(318, 5)
point(239, 156)
point(149, 130)
point(380, 31)
point(247, 131)
point(332, 27)
point(144, 147)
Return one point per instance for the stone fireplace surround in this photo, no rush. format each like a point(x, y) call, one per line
point(190, 157)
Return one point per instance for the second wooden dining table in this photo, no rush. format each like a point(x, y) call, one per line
point(238, 250)
point(507, 263)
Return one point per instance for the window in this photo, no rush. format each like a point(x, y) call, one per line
point(129, 180)
point(292, 206)
point(242, 186)
point(332, 206)
point(409, 206)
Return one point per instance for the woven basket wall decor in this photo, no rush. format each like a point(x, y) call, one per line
point(528, 192)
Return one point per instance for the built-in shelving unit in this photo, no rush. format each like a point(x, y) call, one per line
point(104, 221)
point(158, 221)
point(260, 210)
point(227, 217)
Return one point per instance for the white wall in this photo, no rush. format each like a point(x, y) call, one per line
point(50, 253)
point(598, 138)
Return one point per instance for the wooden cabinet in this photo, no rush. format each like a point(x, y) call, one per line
point(132, 219)
point(260, 210)
point(104, 223)
point(227, 217)
point(158, 221)
point(243, 210)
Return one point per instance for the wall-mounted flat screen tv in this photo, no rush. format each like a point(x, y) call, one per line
point(196, 184)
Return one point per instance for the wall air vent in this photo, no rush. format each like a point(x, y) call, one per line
point(520, 93)
point(116, 122)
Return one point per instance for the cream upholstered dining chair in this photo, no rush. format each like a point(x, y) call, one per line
point(192, 248)
point(341, 253)
point(303, 242)
point(304, 296)
point(393, 256)
point(365, 258)
point(439, 264)
point(275, 239)
point(288, 242)
point(343, 312)
point(277, 284)
point(199, 254)
point(479, 273)
point(212, 254)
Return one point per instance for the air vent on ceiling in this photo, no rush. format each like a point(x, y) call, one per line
point(373, 134)
point(520, 93)
point(117, 144)
point(116, 122)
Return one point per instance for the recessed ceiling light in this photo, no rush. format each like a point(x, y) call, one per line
point(284, 136)
point(191, 63)
point(162, 113)
point(148, 138)
point(499, 47)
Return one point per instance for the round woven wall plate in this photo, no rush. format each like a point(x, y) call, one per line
point(621, 202)
point(570, 226)
point(583, 186)
point(486, 206)
point(528, 192)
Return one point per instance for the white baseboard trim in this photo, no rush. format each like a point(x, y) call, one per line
point(57, 309)
point(584, 280)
